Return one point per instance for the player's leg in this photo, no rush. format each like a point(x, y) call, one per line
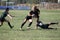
point(37, 22)
point(46, 26)
point(23, 23)
point(37, 18)
point(9, 24)
point(53, 23)
point(30, 20)
point(37, 25)
point(1, 23)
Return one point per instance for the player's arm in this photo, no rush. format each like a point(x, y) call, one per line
point(31, 13)
point(10, 16)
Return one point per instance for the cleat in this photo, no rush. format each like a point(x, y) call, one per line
point(11, 27)
point(20, 28)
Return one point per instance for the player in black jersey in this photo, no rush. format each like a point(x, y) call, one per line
point(36, 12)
point(45, 26)
point(28, 18)
point(3, 16)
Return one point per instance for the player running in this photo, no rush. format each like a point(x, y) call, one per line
point(28, 18)
point(3, 16)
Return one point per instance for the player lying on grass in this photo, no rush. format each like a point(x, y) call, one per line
point(3, 16)
point(45, 26)
point(33, 13)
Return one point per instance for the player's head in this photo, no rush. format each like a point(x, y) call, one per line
point(34, 7)
point(7, 9)
point(39, 23)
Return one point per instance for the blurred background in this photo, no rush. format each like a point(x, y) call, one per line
point(27, 4)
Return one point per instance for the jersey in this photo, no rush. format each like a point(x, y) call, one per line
point(4, 15)
point(31, 13)
point(44, 26)
point(36, 12)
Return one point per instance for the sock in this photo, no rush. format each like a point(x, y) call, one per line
point(23, 24)
point(9, 25)
point(29, 24)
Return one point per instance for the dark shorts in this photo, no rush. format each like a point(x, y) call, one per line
point(28, 17)
point(2, 19)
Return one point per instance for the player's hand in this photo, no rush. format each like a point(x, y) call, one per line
point(9, 16)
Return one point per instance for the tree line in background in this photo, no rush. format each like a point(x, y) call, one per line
point(16, 2)
point(34, 1)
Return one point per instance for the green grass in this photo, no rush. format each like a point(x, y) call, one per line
point(46, 16)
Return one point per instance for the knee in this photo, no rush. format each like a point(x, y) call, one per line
point(30, 20)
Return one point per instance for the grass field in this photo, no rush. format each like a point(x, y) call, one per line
point(46, 16)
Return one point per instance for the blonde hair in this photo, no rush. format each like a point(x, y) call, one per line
point(32, 8)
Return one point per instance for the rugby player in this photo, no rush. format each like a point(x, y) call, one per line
point(3, 16)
